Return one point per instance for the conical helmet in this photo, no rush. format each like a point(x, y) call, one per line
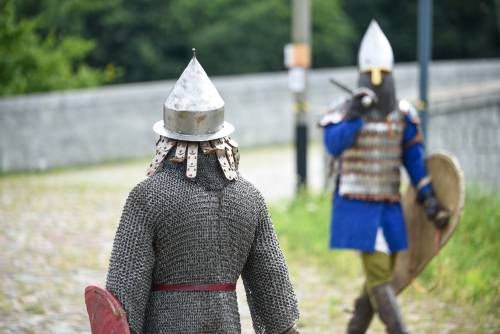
point(193, 121)
point(194, 109)
point(375, 53)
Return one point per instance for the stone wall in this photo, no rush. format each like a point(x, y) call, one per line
point(469, 127)
point(89, 126)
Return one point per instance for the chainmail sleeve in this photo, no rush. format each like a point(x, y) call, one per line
point(132, 259)
point(270, 294)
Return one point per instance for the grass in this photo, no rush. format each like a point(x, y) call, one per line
point(469, 265)
point(303, 227)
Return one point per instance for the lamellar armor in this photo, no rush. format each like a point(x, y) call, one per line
point(370, 168)
point(194, 226)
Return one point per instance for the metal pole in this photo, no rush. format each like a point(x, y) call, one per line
point(424, 56)
point(301, 32)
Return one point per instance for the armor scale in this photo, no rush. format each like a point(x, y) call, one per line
point(370, 168)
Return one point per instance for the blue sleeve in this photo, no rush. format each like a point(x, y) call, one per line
point(414, 156)
point(338, 137)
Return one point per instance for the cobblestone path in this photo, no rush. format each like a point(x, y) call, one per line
point(56, 231)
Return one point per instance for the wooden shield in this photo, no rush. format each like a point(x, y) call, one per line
point(106, 314)
point(424, 239)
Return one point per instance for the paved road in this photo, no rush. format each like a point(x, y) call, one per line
point(273, 170)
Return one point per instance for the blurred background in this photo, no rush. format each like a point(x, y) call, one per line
point(82, 82)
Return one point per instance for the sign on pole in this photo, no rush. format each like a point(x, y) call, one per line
point(298, 60)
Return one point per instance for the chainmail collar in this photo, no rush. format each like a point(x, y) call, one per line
point(212, 163)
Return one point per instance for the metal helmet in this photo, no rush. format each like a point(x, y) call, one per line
point(375, 53)
point(194, 109)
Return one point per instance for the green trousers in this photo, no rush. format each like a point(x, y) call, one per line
point(378, 268)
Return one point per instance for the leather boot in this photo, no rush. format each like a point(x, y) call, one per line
point(362, 316)
point(388, 309)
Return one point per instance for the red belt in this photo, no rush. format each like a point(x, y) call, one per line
point(194, 287)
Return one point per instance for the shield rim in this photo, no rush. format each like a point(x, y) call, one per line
point(457, 214)
point(114, 306)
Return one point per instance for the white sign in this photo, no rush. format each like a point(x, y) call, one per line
point(297, 79)
point(289, 55)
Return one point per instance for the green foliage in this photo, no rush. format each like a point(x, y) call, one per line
point(138, 40)
point(333, 35)
point(466, 29)
point(303, 226)
point(398, 19)
point(467, 268)
point(461, 29)
point(252, 33)
point(152, 39)
point(32, 64)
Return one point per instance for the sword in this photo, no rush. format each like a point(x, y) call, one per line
point(368, 100)
point(341, 86)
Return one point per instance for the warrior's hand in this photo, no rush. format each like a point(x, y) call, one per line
point(362, 100)
point(435, 210)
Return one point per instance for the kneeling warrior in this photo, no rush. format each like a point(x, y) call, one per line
point(373, 135)
point(190, 230)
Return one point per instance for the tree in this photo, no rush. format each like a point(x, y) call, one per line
point(461, 29)
point(33, 64)
point(152, 39)
point(466, 29)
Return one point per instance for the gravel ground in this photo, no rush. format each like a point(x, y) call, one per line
point(56, 232)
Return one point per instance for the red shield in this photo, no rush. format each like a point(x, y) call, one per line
point(106, 315)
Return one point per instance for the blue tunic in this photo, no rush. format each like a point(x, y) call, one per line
point(355, 222)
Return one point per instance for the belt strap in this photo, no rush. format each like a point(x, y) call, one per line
point(194, 287)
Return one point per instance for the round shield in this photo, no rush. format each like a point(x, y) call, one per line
point(106, 314)
point(424, 239)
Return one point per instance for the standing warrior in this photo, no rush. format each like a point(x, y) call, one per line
point(373, 135)
point(190, 230)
